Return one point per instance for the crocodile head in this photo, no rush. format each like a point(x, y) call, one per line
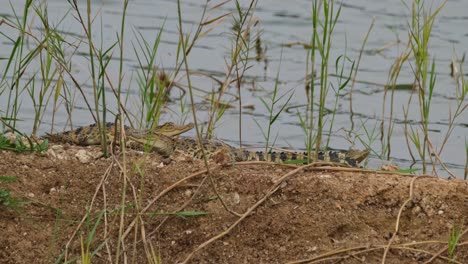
point(170, 129)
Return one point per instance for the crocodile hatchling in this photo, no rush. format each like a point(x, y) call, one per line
point(163, 141)
point(90, 135)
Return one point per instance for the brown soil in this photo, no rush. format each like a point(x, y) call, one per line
point(332, 215)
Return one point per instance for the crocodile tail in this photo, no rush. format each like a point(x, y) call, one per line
point(54, 137)
point(83, 136)
point(65, 137)
point(298, 157)
point(279, 157)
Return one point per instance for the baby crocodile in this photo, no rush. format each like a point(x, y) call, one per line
point(90, 135)
point(163, 141)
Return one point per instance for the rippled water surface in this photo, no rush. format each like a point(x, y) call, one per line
point(279, 22)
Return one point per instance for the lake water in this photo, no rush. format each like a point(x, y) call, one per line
point(279, 22)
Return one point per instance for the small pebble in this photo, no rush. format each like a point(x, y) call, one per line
point(83, 156)
point(236, 198)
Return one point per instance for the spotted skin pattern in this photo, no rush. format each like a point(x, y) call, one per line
point(163, 141)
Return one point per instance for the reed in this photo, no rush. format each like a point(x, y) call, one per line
point(270, 106)
point(242, 43)
point(387, 129)
point(324, 19)
point(456, 232)
point(154, 84)
point(421, 24)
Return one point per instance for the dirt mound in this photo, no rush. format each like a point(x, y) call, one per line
point(257, 213)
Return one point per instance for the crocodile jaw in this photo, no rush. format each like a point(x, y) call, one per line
point(170, 129)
